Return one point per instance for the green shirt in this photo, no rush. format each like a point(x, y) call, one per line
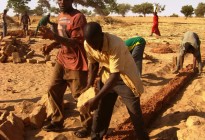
point(44, 21)
point(132, 42)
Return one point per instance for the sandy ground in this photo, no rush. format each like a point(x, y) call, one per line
point(29, 82)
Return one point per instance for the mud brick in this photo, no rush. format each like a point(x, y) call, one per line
point(9, 49)
point(27, 39)
point(7, 37)
point(3, 58)
point(41, 61)
point(31, 61)
point(30, 54)
point(50, 63)
point(3, 43)
point(16, 57)
point(47, 58)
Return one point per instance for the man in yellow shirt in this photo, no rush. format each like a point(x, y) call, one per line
point(118, 76)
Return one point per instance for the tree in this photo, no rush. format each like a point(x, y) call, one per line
point(122, 9)
point(39, 11)
point(144, 8)
point(101, 7)
point(200, 10)
point(187, 10)
point(19, 6)
point(54, 10)
point(86, 12)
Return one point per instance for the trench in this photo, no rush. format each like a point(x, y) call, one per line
point(154, 105)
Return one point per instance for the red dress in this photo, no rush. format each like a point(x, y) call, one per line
point(155, 28)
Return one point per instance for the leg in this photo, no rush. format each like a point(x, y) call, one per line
point(4, 29)
point(137, 55)
point(102, 116)
point(55, 94)
point(133, 105)
point(77, 81)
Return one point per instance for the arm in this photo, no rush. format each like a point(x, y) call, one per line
point(92, 73)
point(180, 60)
point(93, 103)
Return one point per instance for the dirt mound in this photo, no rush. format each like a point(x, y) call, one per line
point(21, 34)
point(162, 50)
point(153, 106)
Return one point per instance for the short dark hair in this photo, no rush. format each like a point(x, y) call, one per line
point(92, 29)
point(5, 10)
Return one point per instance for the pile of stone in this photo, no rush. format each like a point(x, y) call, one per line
point(13, 49)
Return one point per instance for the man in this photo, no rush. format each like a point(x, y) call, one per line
point(155, 28)
point(119, 77)
point(25, 20)
point(4, 22)
point(136, 47)
point(190, 44)
point(43, 22)
point(71, 66)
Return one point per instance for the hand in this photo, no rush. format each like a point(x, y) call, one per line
point(83, 90)
point(47, 33)
point(91, 104)
point(46, 50)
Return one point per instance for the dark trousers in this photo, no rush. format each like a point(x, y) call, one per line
point(137, 54)
point(4, 29)
point(102, 115)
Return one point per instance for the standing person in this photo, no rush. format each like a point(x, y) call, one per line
point(43, 22)
point(71, 66)
point(119, 77)
point(25, 20)
point(136, 47)
point(4, 16)
point(190, 44)
point(155, 28)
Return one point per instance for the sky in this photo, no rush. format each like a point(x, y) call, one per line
point(171, 6)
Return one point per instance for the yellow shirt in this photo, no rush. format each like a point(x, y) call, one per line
point(115, 57)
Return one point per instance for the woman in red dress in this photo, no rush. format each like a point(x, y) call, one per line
point(155, 28)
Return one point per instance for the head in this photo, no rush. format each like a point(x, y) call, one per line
point(155, 13)
point(5, 11)
point(48, 14)
point(93, 35)
point(25, 13)
point(65, 5)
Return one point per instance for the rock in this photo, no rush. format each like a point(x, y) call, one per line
point(9, 50)
point(3, 58)
point(194, 120)
point(88, 94)
point(30, 54)
point(23, 109)
point(192, 133)
point(3, 116)
point(33, 61)
point(55, 136)
point(38, 116)
point(12, 128)
point(41, 61)
point(50, 63)
point(45, 102)
point(16, 57)
point(47, 58)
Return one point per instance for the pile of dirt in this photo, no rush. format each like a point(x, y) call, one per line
point(154, 105)
point(162, 50)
